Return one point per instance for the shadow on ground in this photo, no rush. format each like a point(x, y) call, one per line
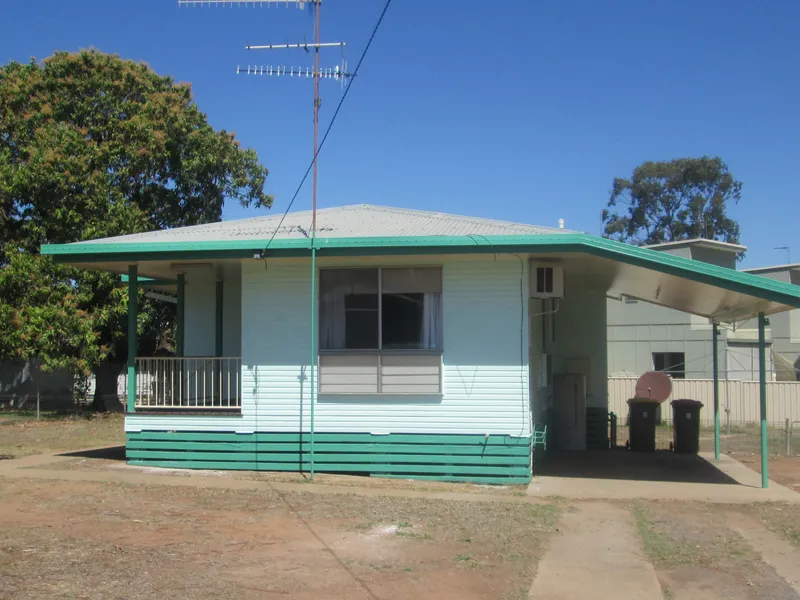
point(110, 453)
point(625, 465)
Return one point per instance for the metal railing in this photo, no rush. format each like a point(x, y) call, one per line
point(195, 382)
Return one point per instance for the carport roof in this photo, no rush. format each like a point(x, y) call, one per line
point(661, 278)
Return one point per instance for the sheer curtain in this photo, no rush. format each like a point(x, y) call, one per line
point(431, 334)
point(332, 319)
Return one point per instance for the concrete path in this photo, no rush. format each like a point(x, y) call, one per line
point(597, 555)
point(777, 553)
point(747, 491)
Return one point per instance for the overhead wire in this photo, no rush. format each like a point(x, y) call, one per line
point(333, 120)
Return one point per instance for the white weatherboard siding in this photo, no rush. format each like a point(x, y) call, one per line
point(199, 318)
point(484, 365)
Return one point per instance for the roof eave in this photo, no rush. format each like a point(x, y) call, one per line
point(730, 279)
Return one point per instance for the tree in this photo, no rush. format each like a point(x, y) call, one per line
point(92, 146)
point(681, 199)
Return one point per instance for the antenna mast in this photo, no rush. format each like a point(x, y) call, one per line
point(339, 73)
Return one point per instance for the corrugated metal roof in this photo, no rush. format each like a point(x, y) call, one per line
point(360, 220)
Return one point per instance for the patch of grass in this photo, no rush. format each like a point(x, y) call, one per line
point(404, 525)
point(463, 557)
point(59, 432)
point(662, 549)
point(466, 540)
point(546, 513)
point(414, 535)
point(782, 519)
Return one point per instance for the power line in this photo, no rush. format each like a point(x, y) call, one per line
point(333, 120)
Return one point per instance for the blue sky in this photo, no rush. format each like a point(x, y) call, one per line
point(523, 110)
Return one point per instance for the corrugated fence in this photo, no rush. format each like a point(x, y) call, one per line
point(739, 400)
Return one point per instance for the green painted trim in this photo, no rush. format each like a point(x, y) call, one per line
point(252, 445)
point(762, 394)
point(218, 304)
point(180, 326)
point(730, 279)
point(150, 281)
point(409, 462)
point(715, 361)
point(470, 457)
point(133, 306)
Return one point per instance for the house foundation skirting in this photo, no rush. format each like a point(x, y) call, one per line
point(498, 459)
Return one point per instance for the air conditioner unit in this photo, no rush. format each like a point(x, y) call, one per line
point(547, 280)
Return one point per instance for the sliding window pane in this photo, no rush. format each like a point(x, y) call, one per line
point(412, 308)
point(348, 309)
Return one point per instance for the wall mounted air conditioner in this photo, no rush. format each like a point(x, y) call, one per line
point(547, 280)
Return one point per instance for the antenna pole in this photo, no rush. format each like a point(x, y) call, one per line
point(318, 6)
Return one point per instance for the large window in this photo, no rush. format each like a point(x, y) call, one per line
point(380, 331)
point(381, 309)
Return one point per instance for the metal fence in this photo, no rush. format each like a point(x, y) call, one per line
point(740, 414)
point(739, 401)
point(206, 383)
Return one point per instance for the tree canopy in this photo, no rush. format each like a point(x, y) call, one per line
point(92, 146)
point(681, 199)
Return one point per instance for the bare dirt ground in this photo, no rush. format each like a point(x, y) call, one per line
point(115, 539)
point(782, 469)
point(88, 540)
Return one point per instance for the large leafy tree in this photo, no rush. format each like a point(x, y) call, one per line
point(92, 146)
point(675, 200)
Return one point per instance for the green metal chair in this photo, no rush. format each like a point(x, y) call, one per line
point(540, 437)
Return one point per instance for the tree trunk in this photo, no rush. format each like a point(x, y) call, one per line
point(106, 394)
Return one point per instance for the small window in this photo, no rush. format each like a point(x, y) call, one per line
point(672, 363)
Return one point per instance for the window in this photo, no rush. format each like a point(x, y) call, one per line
point(381, 309)
point(380, 331)
point(672, 363)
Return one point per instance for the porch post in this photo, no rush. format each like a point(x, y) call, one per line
point(715, 351)
point(179, 328)
point(133, 299)
point(762, 380)
point(218, 335)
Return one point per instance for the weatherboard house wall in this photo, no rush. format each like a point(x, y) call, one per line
point(484, 399)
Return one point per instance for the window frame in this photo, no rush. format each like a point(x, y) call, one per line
point(380, 351)
point(668, 369)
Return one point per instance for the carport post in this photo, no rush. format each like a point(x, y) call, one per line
point(133, 299)
point(762, 380)
point(714, 346)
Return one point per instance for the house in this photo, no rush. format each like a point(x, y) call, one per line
point(393, 342)
point(643, 336)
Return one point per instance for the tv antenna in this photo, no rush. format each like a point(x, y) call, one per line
point(338, 73)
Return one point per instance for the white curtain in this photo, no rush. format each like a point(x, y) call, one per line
point(332, 319)
point(431, 334)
